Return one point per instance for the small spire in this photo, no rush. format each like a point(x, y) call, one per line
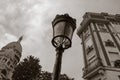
point(20, 39)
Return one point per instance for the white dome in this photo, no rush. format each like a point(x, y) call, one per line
point(14, 45)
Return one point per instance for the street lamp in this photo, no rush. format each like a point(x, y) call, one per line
point(63, 28)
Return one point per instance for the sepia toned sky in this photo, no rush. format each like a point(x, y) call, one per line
point(32, 19)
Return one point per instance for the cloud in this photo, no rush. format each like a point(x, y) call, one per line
point(24, 17)
point(18, 17)
point(6, 38)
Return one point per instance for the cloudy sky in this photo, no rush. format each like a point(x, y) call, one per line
point(32, 19)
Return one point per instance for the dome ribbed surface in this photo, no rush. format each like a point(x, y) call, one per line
point(14, 45)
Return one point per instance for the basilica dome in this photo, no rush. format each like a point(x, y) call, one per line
point(14, 45)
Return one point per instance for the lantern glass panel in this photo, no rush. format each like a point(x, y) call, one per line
point(59, 28)
point(68, 31)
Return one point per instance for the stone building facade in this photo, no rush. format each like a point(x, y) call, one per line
point(100, 34)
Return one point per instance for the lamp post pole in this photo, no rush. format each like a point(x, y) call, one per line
point(63, 28)
point(58, 61)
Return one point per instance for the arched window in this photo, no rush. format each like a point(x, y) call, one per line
point(4, 72)
point(17, 57)
point(8, 63)
point(4, 59)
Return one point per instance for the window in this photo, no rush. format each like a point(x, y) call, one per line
point(113, 52)
point(118, 37)
point(4, 72)
point(102, 27)
point(86, 32)
point(11, 66)
point(109, 43)
point(89, 45)
point(4, 59)
point(92, 58)
point(89, 49)
point(8, 63)
point(117, 63)
point(119, 77)
point(17, 57)
point(0, 57)
point(113, 56)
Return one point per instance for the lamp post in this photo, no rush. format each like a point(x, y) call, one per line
point(63, 28)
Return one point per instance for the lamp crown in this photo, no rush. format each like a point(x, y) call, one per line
point(64, 17)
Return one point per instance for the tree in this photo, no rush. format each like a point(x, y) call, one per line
point(28, 69)
point(65, 77)
point(48, 76)
point(45, 75)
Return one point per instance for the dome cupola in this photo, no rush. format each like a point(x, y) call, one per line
point(14, 45)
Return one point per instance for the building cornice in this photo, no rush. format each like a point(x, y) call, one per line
point(102, 18)
point(92, 73)
point(87, 21)
point(112, 69)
